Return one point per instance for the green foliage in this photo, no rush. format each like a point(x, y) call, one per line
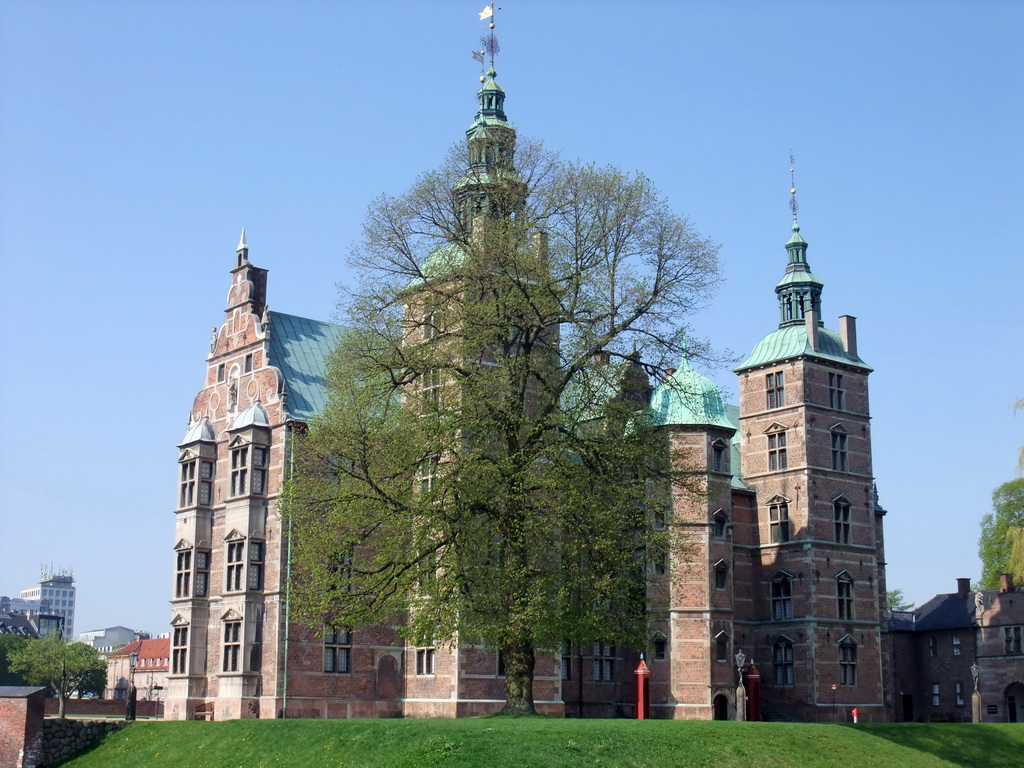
point(59, 663)
point(9, 644)
point(526, 742)
point(1001, 545)
point(895, 600)
point(484, 467)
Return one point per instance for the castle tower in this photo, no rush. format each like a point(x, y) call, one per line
point(692, 593)
point(814, 540)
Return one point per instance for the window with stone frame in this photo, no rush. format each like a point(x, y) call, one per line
point(1012, 641)
point(776, 389)
point(567, 660)
point(201, 584)
point(604, 663)
point(254, 580)
point(847, 662)
point(777, 456)
point(836, 391)
point(840, 440)
point(179, 651)
point(719, 456)
point(841, 518)
point(426, 476)
point(187, 483)
point(956, 645)
point(778, 521)
point(430, 391)
point(721, 575)
point(936, 695)
point(844, 596)
point(424, 661)
point(240, 470)
point(232, 645)
point(958, 692)
point(782, 597)
point(933, 647)
point(721, 647)
point(260, 461)
point(429, 326)
point(660, 649)
point(721, 521)
point(659, 559)
point(234, 558)
point(183, 573)
point(337, 650)
point(782, 661)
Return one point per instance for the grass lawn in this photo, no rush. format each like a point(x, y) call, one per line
point(496, 742)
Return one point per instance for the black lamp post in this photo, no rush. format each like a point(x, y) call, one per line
point(129, 707)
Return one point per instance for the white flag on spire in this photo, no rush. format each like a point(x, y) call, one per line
point(486, 13)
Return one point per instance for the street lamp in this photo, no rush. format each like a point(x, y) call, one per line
point(129, 707)
point(741, 692)
point(834, 686)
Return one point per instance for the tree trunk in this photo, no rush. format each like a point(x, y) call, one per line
point(62, 706)
point(519, 660)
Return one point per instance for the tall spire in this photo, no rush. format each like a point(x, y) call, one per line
point(242, 250)
point(491, 142)
point(799, 291)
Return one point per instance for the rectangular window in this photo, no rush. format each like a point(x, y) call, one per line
point(839, 451)
point(660, 649)
point(1012, 640)
point(427, 474)
point(232, 645)
point(206, 483)
point(188, 483)
point(844, 590)
point(720, 522)
point(430, 390)
point(933, 647)
point(202, 580)
point(721, 576)
point(248, 363)
point(782, 599)
point(958, 690)
point(778, 515)
point(956, 645)
point(429, 327)
point(722, 648)
point(337, 650)
point(660, 558)
point(718, 458)
point(183, 573)
point(836, 393)
point(777, 459)
point(567, 660)
point(775, 384)
point(936, 696)
point(179, 651)
point(235, 565)
point(848, 664)
point(221, 372)
point(239, 470)
point(604, 663)
point(841, 515)
point(782, 656)
point(259, 469)
point(424, 661)
point(992, 709)
point(255, 577)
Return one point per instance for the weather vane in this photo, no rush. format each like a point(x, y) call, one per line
point(793, 205)
point(489, 42)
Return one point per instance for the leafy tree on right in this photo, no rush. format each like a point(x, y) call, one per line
point(1001, 545)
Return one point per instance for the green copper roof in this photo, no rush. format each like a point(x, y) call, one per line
point(686, 397)
point(299, 348)
point(732, 413)
point(791, 341)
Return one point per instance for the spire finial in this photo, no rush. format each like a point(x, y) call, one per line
point(793, 205)
point(242, 245)
point(488, 42)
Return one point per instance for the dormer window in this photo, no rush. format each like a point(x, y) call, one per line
point(195, 482)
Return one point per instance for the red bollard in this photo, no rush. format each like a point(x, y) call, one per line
point(643, 690)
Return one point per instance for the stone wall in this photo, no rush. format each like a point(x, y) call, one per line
point(63, 739)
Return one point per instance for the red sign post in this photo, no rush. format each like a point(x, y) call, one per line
point(643, 690)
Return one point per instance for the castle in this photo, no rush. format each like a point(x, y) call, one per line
point(782, 587)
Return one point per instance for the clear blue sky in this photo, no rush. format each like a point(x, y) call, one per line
point(137, 138)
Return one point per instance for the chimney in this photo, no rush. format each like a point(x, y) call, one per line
point(811, 319)
point(1006, 582)
point(963, 587)
point(848, 333)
